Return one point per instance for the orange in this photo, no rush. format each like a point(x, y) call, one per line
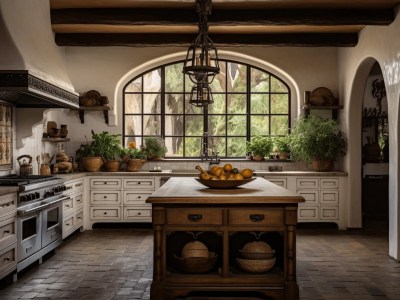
point(132, 145)
point(247, 173)
point(238, 177)
point(213, 169)
point(222, 177)
point(218, 171)
point(227, 167)
point(231, 176)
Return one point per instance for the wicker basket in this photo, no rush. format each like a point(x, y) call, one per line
point(195, 249)
point(256, 265)
point(256, 255)
point(257, 247)
point(195, 264)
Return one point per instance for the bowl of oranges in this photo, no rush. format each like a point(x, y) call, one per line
point(225, 177)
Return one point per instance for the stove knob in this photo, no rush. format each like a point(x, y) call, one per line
point(22, 198)
point(56, 189)
point(28, 197)
point(64, 188)
point(37, 195)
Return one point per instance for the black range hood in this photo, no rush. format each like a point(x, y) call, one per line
point(27, 91)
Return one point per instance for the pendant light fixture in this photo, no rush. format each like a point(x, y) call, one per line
point(201, 95)
point(201, 63)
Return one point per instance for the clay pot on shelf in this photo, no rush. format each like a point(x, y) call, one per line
point(322, 165)
point(112, 165)
point(92, 163)
point(64, 131)
point(134, 165)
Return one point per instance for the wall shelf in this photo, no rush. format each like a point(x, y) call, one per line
point(55, 140)
point(104, 109)
point(333, 108)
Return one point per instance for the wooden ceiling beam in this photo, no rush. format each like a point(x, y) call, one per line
point(226, 40)
point(128, 16)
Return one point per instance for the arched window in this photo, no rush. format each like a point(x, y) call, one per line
point(248, 101)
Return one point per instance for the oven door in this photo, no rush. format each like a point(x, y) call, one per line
point(29, 234)
point(51, 224)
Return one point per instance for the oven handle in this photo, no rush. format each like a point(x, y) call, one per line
point(50, 201)
point(43, 206)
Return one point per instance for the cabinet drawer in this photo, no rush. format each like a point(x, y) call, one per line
point(194, 216)
point(68, 223)
point(307, 183)
point(139, 183)
point(135, 198)
point(279, 181)
point(310, 197)
point(329, 183)
point(68, 206)
point(105, 213)
point(256, 217)
point(7, 232)
point(105, 198)
point(329, 197)
point(137, 213)
point(78, 201)
point(8, 204)
point(329, 213)
point(74, 186)
point(78, 219)
point(105, 183)
point(308, 213)
point(8, 260)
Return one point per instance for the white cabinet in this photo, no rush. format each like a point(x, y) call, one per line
point(8, 234)
point(121, 199)
point(74, 207)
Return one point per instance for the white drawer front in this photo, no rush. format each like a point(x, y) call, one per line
point(68, 223)
point(329, 183)
point(329, 213)
point(7, 232)
point(105, 183)
point(279, 181)
point(307, 183)
point(78, 201)
point(68, 206)
point(131, 213)
point(78, 219)
point(74, 185)
point(131, 198)
point(310, 197)
point(139, 183)
point(8, 260)
point(308, 213)
point(104, 213)
point(8, 204)
point(329, 197)
point(105, 198)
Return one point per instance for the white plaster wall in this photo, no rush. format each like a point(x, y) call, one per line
point(380, 44)
point(27, 41)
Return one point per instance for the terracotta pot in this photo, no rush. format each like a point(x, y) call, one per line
point(322, 165)
point(283, 155)
point(257, 157)
point(112, 165)
point(134, 165)
point(92, 163)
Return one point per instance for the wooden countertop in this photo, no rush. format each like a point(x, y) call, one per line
point(179, 190)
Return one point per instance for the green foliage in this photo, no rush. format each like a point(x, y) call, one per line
point(154, 147)
point(316, 138)
point(260, 145)
point(282, 144)
point(133, 153)
point(104, 144)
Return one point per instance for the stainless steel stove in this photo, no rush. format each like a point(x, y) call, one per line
point(39, 215)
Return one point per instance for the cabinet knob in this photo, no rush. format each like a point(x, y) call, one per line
point(139, 214)
point(256, 217)
point(105, 212)
point(194, 217)
point(139, 197)
point(105, 197)
point(138, 182)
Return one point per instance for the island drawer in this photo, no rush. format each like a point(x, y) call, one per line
point(194, 216)
point(244, 216)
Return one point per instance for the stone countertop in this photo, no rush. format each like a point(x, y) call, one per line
point(4, 190)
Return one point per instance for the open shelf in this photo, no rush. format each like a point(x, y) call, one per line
point(333, 108)
point(55, 140)
point(104, 109)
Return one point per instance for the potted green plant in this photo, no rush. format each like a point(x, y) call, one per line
point(134, 158)
point(154, 147)
point(317, 141)
point(282, 146)
point(259, 147)
point(104, 148)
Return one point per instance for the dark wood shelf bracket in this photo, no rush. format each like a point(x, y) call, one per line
point(105, 110)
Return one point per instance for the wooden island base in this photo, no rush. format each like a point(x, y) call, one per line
point(223, 220)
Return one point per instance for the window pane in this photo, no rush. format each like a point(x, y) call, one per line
point(174, 78)
point(152, 125)
point(279, 125)
point(220, 145)
point(216, 125)
point(152, 104)
point(236, 125)
point(188, 84)
point(135, 86)
point(280, 104)
point(236, 103)
point(190, 109)
point(174, 146)
point(219, 83)
point(173, 103)
point(133, 104)
point(236, 147)
point(259, 103)
point(277, 86)
point(192, 147)
point(236, 77)
point(133, 125)
point(259, 81)
point(259, 125)
point(218, 107)
point(136, 139)
point(152, 81)
point(194, 125)
point(174, 125)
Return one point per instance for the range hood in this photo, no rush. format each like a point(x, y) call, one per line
point(27, 91)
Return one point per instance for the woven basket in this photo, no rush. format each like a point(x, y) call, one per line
point(195, 264)
point(255, 255)
point(195, 249)
point(255, 265)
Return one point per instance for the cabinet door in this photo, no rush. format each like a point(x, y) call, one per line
point(139, 183)
point(310, 196)
point(105, 198)
point(329, 197)
point(106, 183)
point(329, 213)
point(308, 213)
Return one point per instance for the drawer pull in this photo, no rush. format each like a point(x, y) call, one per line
point(69, 187)
point(105, 197)
point(256, 217)
point(67, 224)
point(105, 212)
point(6, 231)
point(6, 259)
point(195, 217)
point(138, 182)
point(139, 214)
point(79, 184)
point(66, 205)
point(139, 197)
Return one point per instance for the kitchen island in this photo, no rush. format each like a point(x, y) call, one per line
point(224, 220)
